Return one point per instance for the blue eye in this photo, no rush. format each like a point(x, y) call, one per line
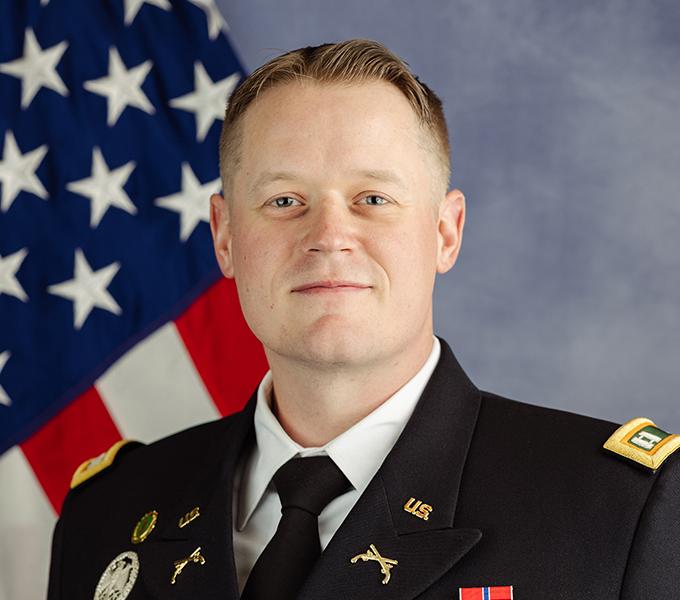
point(284, 202)
point(375, 200)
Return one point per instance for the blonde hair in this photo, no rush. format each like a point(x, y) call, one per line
point(352, 61)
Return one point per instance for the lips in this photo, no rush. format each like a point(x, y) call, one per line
point(330, 286)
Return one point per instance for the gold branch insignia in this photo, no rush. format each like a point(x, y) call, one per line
point(194, 557)
point(386, 564)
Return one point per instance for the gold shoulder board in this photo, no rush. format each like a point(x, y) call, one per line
point(643, 442)
point(95, 465)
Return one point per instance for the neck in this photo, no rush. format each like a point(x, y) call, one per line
point(315, 405)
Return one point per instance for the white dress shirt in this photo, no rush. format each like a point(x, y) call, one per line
point(358, 452)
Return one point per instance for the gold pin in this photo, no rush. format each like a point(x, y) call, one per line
point(194, 557)
point(194, 513)
point(418, 509)
point(386, 564)
point(144, 527)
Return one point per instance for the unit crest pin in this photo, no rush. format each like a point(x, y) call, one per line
point(144, 527)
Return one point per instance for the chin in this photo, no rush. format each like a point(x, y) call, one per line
point(334, 341)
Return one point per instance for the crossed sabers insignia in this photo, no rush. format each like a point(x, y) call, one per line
point(386, 564)
point(195, 557)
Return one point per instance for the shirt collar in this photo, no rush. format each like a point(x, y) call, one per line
point(358, 452)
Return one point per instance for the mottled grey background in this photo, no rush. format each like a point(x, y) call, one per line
point(565, 124)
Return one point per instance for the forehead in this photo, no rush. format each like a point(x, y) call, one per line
point(313, 125)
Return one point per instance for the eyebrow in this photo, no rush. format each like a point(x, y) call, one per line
point(380, 175)
point(272, 177)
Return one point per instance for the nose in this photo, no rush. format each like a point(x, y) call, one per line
point(330, 227)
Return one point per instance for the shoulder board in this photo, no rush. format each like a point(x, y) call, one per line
point(95, 465)
point(642, 442)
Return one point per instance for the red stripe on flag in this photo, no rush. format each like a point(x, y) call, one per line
point(501, 592)
point(82, 430)
point(227, 355)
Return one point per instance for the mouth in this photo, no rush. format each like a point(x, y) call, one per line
point(325, 287)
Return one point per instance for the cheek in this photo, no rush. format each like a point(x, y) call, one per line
point(412, 253)
point(261, 261)
point(251, 260)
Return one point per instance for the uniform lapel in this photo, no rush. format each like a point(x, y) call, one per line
point(210, 489)
point(426, 464)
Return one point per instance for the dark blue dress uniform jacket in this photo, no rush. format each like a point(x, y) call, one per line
point(520, 495)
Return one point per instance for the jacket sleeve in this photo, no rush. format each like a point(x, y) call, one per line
point(54, 586)
point(653, 569)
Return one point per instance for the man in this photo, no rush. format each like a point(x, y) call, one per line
point(366, 440)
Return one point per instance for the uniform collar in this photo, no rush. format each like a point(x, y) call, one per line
point(426, 464)
point(358, 452)
point(207, 484)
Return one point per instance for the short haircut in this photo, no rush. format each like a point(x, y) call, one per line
point(352, 61)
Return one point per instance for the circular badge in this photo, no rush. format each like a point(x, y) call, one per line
point(144, 527)
point(118, 578)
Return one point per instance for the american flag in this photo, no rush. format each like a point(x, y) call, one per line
point(114, 319)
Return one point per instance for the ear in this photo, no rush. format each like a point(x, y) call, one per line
point(220, 225)
point(450, 222)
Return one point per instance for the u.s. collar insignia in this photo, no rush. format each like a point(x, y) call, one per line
point(642, 442)
point(193, 514)
point(118, 578)
point(144, 527)
point(418, 508)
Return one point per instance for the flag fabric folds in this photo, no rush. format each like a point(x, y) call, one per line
point(114, 319)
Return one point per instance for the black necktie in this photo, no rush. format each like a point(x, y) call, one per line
point(305, 486)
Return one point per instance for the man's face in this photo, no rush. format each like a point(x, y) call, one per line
point(331, 227)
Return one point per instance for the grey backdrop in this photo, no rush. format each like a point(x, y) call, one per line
point(565, 125)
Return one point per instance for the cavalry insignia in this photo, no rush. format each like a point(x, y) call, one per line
point(97, 464)
point(118, 577)
point(144, 527)
point(386, 564)
point(642, 442)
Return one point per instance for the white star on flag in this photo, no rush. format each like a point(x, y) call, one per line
point(104, 187)
point(37, 68)
point(122, 87)
point(8, 271)
point(192, 203)
point(216, 22)
point(209, 99)
point(17, 172)
point(88, 289)
point(4, 397)
point(132, 7)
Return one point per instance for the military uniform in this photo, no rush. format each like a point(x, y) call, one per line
point(478, 491)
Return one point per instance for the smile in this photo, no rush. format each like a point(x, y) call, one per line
point(330, 287)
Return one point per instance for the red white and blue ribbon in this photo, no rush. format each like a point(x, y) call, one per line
point(502, 592)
